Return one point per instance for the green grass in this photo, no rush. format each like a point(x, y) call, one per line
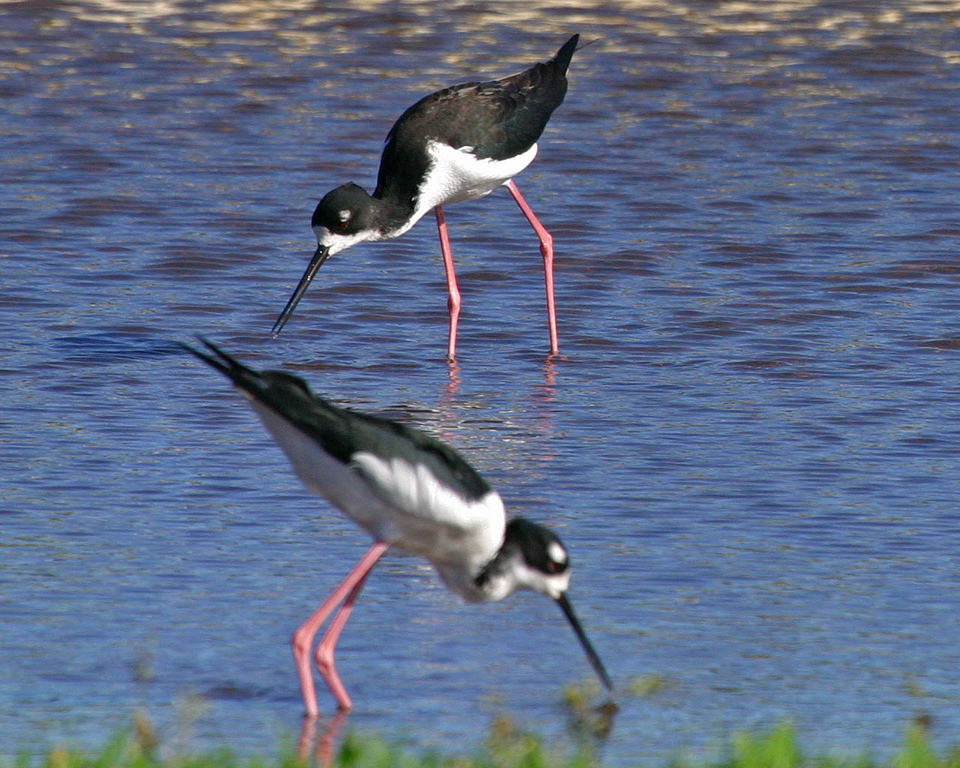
point(506, 747)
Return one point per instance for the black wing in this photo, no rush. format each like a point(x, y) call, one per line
point(341, 432)
point(498, 119)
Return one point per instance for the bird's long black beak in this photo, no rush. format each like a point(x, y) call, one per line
point(564, 603)
point(316, 262)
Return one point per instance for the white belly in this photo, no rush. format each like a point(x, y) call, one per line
point(456, 175)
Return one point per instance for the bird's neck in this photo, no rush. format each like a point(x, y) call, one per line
point(396, 212)
point(491, 582)
point(498, 578)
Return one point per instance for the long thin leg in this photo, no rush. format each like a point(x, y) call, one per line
point(325, 651)
point(303, 637)
point(453, 302)
point(546, 248)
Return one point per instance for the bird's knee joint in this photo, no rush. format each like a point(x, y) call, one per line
point(324, 659)
point(546, 245)
point(300, 643)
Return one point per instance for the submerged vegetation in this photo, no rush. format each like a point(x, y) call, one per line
point(506, 747)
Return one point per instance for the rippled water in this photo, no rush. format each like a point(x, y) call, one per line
point(749, 445)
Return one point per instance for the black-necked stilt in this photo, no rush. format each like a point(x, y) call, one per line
point(457, 144)
point(407, 490)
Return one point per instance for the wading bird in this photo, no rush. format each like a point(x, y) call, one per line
point(460, 143)
point(407, 490)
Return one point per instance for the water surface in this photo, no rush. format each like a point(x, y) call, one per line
point(749, 444)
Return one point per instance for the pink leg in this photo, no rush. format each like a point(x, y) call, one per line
point(453, 303)
point(325, 661)
point(546, 248)
point(303, 637)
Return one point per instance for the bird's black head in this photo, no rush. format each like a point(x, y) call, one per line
point(531, 557)
point(541, 549)
point(344, 211)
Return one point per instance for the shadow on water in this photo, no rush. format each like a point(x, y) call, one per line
point(108, 347)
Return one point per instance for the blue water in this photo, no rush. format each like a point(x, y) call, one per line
point(749, 444)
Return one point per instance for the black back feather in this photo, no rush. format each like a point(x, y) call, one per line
point(499, 119)
point(342, 432)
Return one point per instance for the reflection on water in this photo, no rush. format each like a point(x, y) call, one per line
point(318, 739)
point(749, 443)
